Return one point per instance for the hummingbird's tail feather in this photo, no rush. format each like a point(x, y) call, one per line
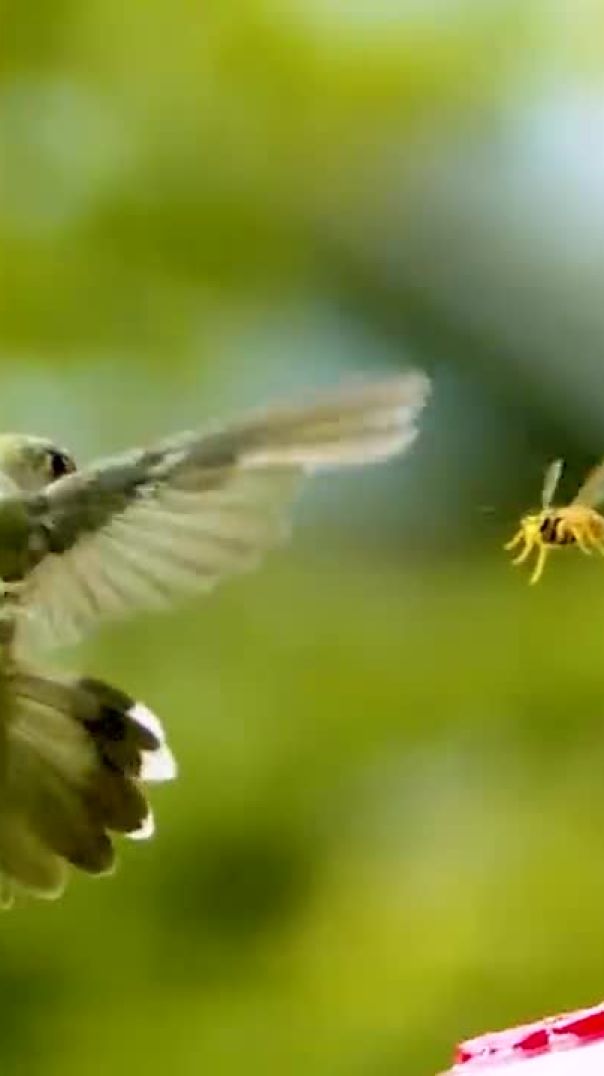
point(74, 757)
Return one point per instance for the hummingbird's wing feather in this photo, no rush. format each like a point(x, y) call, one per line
point(139, 530)
point(152, 553)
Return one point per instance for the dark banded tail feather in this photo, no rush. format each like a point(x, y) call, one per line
point(75, 755)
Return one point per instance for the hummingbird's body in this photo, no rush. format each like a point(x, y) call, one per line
point(136, 531)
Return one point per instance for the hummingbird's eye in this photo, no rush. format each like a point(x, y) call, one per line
point(60, 464)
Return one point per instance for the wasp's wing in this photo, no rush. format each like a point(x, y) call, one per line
point(550, 482)
point(139, 530)
point(591, 492)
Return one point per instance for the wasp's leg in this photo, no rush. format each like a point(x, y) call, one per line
point(516, 540)
point(540, 565)
point(529, 545)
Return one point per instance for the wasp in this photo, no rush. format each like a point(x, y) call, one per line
point(555, 526)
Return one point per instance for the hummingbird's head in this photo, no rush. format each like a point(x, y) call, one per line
point(32, 462)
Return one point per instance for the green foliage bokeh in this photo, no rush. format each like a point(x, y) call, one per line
point(387, 831)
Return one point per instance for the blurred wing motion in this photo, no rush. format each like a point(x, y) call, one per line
point(550, 482)
point(591, 492)
point(137, 531)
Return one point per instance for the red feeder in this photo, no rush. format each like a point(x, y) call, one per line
point(567, 1045)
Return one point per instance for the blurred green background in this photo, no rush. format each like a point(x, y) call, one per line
point(388, 833)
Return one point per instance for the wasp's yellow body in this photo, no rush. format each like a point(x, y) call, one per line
point(554, 527)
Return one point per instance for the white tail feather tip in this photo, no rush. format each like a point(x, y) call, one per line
point(159, 765)
point(145, 831)
point(145, 717)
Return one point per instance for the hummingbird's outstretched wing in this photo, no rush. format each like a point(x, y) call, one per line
point(140, 529)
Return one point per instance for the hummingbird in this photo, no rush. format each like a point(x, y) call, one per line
point(138, 531)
